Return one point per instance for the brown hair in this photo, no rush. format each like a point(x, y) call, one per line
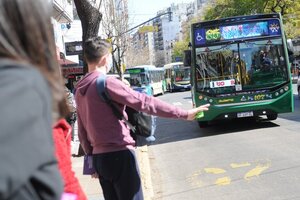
point(95, 48)
point(26, 35)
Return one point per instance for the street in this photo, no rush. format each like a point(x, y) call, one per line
point(232, 160)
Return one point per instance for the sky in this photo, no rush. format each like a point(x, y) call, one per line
point(142, 10)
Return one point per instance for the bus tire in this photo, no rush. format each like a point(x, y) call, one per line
point(272, 116)
point(203, 124)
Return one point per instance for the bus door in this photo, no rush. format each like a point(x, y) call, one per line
point(156, 81)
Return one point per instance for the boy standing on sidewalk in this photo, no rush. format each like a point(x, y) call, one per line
point(103, 135)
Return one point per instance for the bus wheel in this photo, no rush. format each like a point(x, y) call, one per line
point(272, 116)
point(203, 124)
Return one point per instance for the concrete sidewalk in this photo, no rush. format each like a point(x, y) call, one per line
point(92, 188)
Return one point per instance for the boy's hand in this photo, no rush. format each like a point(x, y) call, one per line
point(192, 112)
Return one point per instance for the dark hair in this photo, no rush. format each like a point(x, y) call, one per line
point(26, 35)
point(95, 48)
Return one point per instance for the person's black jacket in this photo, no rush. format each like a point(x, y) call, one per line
point(28, 168)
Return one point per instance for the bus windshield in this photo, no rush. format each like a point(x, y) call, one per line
point(138, 80)
point(241, 66)
point(182, 74)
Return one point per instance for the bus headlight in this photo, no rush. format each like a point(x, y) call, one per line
point(281, 91)
point(276, 93)
point(286, 88)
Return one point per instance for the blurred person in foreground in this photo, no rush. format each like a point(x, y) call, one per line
point(103, 135)
point(32, 100)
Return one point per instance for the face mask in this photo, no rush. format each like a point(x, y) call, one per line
point(109, 63)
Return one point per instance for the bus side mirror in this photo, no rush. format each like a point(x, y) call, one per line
point(187, 61)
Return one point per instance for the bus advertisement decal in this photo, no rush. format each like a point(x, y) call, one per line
point(224, 83)
point(226, 100)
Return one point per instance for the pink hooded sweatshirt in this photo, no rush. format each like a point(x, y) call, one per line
point(99, 129)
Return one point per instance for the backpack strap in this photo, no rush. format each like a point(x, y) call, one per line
point(101, 84)
point(102, 92)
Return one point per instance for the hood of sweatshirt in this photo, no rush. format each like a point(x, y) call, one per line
point(83, 85)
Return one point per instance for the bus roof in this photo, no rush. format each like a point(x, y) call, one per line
point(170, 65)
point(236, 19)
point(146, 67)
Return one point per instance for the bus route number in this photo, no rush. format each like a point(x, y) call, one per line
point(259, 97)
point(223, 83)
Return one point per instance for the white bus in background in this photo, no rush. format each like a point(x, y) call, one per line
point(177, 76)
point(147, 79)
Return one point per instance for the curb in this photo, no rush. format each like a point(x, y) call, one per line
point(145, 171)
point(92, 188)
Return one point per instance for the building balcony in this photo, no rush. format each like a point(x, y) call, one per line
point(63, 11)
point(160, 38)
point(159, 28)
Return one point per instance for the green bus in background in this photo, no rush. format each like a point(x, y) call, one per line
point(177, 76)
point(240, 66)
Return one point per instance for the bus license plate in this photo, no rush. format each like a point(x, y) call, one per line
point(245, 114)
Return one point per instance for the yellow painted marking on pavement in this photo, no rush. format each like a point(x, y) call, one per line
point(196, 173)
point(239, 165)
point(223, 181)
point(197, 183)
point(214, 170)
point(194, 179)
point(256, 171)
point(194, 176)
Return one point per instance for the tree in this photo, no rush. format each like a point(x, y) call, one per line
point(115, 27)
point(137, 57)
point(178, 49)
point(180, 46)
point(159, 58)
point(90, 18)
point(289, 9)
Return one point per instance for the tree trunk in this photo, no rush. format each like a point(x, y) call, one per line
point(90, 18)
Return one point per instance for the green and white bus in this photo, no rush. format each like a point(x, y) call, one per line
point(240, 66)
point(177, 76)
point(147, 79)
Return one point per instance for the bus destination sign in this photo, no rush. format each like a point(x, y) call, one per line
point(239, 31)
point(134, 71)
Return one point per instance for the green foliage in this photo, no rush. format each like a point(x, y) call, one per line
point(178, 48)
point(289, 9)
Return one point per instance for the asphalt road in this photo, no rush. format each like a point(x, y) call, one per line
point(234, 160)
